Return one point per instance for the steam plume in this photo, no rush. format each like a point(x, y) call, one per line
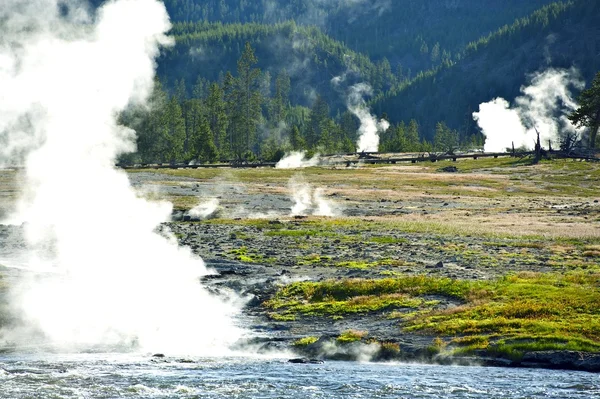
point(308, 201)
point(370, 127)
point(205, 209)
point(65, 75)
point(544, 105)
point(297, 160)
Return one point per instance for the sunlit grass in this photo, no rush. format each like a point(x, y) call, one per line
point(349, 336)
point(306, 341)
point(526, 311)
point(485, 177)
point(348, 229)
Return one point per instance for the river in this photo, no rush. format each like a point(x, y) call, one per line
point(130, 376)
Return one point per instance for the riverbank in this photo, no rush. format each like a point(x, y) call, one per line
point(494, 263)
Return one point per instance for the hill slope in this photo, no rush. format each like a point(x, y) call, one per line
point(414, 33)
point(562, 35)
point(311, 58)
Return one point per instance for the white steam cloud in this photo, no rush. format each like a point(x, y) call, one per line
point(113, 279)
point(370, 127)
point(204, 209)
point(544, 106)
point(298, 160)
point(309, 201)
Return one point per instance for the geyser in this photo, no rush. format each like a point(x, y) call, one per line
point(543, 107)
point(298, 160)
point(111, 278)
point(370, 127)
point(308, 201)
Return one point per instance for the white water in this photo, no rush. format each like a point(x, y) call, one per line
point(100, 376)
point(110, 278)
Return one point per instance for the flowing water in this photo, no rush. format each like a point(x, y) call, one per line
point(127, 376)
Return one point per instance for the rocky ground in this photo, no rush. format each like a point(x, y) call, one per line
point(483, 223)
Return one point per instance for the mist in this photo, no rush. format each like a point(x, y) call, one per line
point(370, 127)
point(298, 160)
point(543, 107)
point(108, 277)
point(310, 201)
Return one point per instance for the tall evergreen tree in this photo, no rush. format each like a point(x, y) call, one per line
point(204, 143)
point(319, 114)
point(250, 99)
point(412, 137)
point(588, 113)
point(296, 140)
point(174, 134)
point(217, 117)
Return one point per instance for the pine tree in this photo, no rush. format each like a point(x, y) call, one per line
point(280, 101)
point(412, 137)
point(150, 127)
point(319, 114)
point(217, 118)
point(204, 144)
point(445, 139)
point(248, 80)
point(174, 134)
point(588, 113)
point(296, 140)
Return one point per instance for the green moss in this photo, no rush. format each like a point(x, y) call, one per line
point(350, 336)
point(361, 296)
point(306, 341)
point(553, 310)
point(388, 240)
point(536, 305)
point(362, 265)
point(282, 317)
point(392, 348)
point(515, 244)
point(242, 254)
point(314, 259)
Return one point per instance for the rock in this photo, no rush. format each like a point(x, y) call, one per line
point(449, 169)
point(303, 360)
point(158, 355)
point(438, 265)
point(566, 360)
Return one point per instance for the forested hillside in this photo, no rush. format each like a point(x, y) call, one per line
point(562, 35)
point(412, 34)
point(254, 79)
point(206, 51)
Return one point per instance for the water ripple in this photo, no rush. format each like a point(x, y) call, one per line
point(113, 376)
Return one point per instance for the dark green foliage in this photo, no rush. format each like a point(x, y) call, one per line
point(281, 98)
point(562, 34)
point(588, 113)
point(412, 33)
point(445, 139)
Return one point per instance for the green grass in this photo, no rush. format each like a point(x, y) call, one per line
point(549, 311)
point(242, 254)
point(351, 296)
point(388, 240)
point(507, 316)
point(306, 341)
point(300, 233)
point(363, 265)
point(483, 178)
point(350, 336)
point(350, 228)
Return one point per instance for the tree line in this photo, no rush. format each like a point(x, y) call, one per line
point(248, 116)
